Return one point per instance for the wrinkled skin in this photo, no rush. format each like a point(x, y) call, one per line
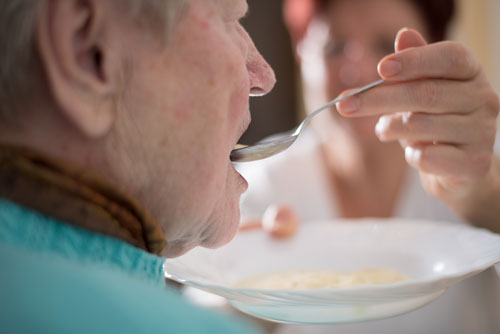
point(192, 106)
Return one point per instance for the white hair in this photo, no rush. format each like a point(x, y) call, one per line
point(18, 70)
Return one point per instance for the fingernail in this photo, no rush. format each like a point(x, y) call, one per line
point(402, 30)
point(381, 126)
point(389, 68)
point(349, 105)
point(412, 155)
point(396, 40)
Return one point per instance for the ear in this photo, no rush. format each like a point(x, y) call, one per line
point(71, 39)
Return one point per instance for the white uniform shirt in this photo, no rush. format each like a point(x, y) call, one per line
point(297, 177)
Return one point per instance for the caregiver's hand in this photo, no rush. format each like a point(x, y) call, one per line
point(439, 104)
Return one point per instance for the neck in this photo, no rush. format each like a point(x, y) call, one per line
point(355, 162)
point(366, 179)
point(48, 135)
point(75, 195)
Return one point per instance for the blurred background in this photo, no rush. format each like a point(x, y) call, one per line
point(476, 24)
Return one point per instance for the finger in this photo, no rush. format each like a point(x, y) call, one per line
point(450, 60)
point(422, 127)
point(248, 225)
point(433, 96)
point(408, 38)
point(280, 221)
point(449, 160)
point(403, 143)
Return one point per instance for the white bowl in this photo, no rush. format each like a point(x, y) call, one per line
point(434, 255)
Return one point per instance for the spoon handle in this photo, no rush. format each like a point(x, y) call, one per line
point(338, 99)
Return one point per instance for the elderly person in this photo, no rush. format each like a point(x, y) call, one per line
point(437, 103)
point(117, 119)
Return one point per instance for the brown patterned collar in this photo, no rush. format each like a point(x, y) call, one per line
point(76, 196)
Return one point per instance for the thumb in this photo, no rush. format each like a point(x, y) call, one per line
point(408, 38)
point(405, 38)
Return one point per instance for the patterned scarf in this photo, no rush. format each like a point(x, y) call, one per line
point(76, 196)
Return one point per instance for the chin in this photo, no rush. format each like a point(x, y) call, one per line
point(224, 226)
point(222, 237)
point(175, 248)
point(218, 232)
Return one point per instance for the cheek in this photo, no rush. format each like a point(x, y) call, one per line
point(239, 105)
point(333, 84)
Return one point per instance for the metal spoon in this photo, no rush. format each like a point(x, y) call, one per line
point(273, 146)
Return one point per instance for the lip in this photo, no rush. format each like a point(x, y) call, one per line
point(244, 126)
point(245, 123)
point(241, 180)
point(244, 182)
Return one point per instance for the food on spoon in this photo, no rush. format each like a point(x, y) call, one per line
point(304, 280)
point(280, 221)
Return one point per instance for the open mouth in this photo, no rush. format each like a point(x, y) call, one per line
point(238, 146)
point(244, 127)
point(233, 156)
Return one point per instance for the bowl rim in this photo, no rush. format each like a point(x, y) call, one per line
point(429, 284)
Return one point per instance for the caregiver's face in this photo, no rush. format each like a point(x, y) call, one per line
point(360, 34)
point(190, 102)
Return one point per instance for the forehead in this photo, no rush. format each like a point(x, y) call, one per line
point(358, 15)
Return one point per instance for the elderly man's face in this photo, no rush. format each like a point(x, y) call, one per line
point(186, 106)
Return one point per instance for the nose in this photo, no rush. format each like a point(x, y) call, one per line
point(262, 78)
